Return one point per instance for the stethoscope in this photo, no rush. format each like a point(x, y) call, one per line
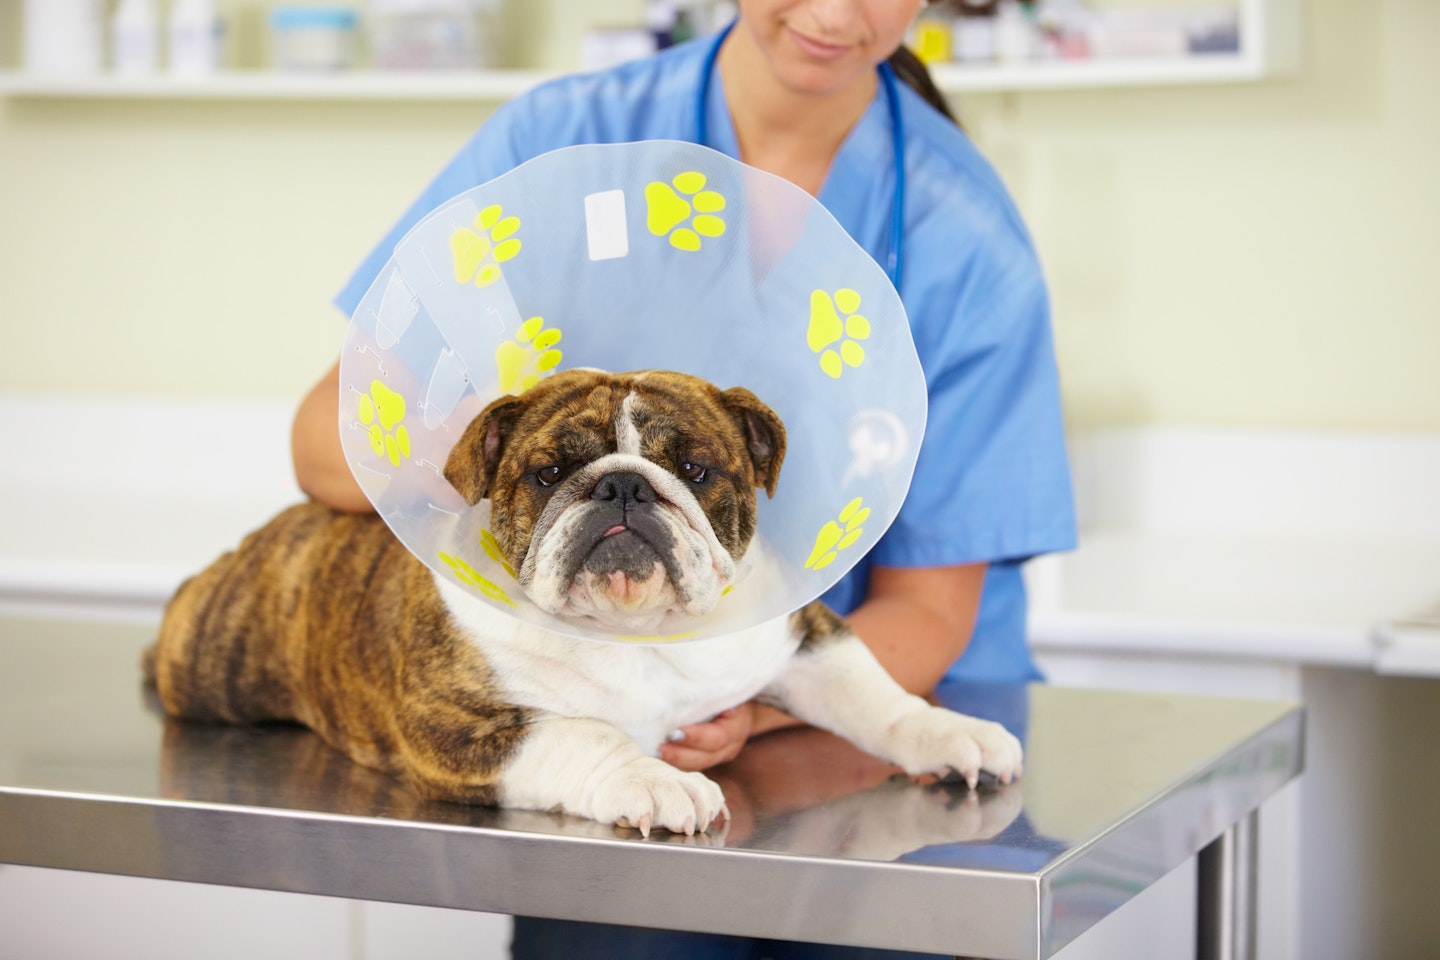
point(897, 139)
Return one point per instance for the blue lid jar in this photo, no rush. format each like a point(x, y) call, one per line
point(313, 18)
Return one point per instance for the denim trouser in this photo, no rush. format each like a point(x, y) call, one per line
point(570, 940)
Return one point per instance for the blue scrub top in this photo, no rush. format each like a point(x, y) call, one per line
point(992, 483)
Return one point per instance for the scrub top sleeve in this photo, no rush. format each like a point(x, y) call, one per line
point(495, 148)
point(993, 481)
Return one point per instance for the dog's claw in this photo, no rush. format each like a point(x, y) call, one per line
point(652, 795)
point(962, 747)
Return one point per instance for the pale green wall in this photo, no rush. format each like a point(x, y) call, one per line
point(1260, 254)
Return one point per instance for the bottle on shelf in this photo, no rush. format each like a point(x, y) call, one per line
point(1016, 39)
point(196, 37)
point(931, 36)
point(660, 19)
point(974, 38)
point(135, 37)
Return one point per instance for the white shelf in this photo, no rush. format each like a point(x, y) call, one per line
point(497, 85)
point(494, 85)
point(1093, 74)
point(1270, 36)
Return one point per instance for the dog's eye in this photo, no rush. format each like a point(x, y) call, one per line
point(694, 472)
point(548, 476)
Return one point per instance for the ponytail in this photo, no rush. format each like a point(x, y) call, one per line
point(913, 74)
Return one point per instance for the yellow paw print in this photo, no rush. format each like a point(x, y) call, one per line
point(523, 361)
point(468, 574)
point(381, 410)
point(478, 253)
point(667, 209)
point(826, 328)
point(833, 538)
point(491, 546)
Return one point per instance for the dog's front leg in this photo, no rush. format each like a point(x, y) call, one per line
point(590, 769)
point(834, 682)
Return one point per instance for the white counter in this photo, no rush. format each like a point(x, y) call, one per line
point(107, 503)
point(1315, 601)
point(1313, 548)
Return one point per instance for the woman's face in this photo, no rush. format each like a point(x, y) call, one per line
point(820, 46)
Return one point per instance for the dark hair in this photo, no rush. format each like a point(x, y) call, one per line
point(913, 74)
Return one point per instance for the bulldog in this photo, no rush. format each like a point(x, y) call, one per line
point(621, 498)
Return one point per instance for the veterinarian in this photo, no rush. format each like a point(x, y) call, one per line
point(822, 93)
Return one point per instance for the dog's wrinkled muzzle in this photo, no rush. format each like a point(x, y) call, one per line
point(632, 543)
point(624, 540)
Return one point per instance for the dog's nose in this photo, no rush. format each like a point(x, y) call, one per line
point(625, 487)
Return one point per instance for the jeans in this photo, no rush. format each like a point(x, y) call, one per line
point(537, 939)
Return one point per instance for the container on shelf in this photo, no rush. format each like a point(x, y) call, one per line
point(1016, 38)
point(973, 37)
point(135, 37)
point(64, 36)
point(930, 35)
point(436, 34)
point(196, 37)
point(313, 38)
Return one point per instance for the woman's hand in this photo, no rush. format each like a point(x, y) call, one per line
point(707, 744)
point(720, 740)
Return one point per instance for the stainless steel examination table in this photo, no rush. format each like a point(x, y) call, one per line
point(824, 843)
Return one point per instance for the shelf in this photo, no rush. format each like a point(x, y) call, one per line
point(493, 85)
point(1270, 37)
point(1093, 74)
point(497, 85)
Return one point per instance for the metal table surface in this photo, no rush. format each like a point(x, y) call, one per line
point(825, 843)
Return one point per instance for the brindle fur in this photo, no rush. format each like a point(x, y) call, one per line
point(815, 624)
point(325, 619)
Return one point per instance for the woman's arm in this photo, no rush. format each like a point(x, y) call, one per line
point(916, 620)
point(320, 466)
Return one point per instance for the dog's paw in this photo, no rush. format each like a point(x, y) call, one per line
point(647, 794)
point(941, 742)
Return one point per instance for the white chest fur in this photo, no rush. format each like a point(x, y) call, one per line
point(644, 690)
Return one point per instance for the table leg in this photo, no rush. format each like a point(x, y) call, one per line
point(1225, 911)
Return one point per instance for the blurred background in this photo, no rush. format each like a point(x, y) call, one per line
point(1238, 210)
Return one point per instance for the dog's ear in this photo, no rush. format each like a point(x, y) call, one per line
point(764, 435)
point(470, 467)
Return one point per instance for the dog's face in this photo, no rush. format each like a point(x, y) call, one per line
point(621, 497)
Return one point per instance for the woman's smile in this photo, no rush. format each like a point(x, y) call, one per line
point(823, 46)
point(817, 49)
